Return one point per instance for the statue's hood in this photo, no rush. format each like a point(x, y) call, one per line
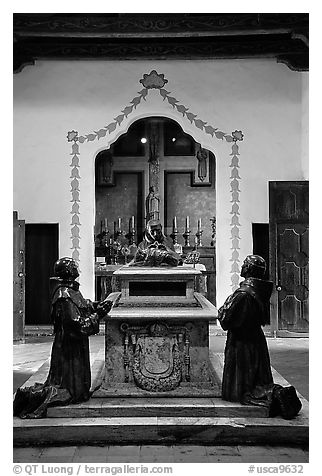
point(261, 287)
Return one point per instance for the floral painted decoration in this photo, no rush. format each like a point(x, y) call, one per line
point(237, 135)
point(72, 135)
point(153, 80)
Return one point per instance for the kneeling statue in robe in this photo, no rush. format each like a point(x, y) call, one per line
point(74, 319)
point(247, 376)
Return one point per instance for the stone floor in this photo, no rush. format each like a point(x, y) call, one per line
point(161, 454)
point(289, 356)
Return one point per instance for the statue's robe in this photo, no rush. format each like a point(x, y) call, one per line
point(247, 376)
point(69, 378)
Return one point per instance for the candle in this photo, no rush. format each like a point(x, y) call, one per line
point(187, 223)
point(175, 222)
point(199, 224)
point(120, 223)
point(132, 222)
point(105, 223)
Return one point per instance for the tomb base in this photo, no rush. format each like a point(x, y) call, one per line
point(157, 336)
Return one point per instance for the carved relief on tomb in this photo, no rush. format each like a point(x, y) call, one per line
point(157, 354)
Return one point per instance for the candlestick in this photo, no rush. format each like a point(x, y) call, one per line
point(174, 233)
point(186, 234)
point(198, 236)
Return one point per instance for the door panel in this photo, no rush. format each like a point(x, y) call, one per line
point(293, 277)
point(289, 255)
point(41, 254)
point(18, 277)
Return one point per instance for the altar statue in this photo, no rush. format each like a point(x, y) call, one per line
point(152, 205)
point(247, 376)
point(74, 319)
point(155, 249)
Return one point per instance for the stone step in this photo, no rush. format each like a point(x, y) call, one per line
point(159, 430)
point(116, 420)
point(156, 407)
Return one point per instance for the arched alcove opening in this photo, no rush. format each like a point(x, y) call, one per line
point(154, 170)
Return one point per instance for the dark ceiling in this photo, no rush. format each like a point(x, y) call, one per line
point(160, 36)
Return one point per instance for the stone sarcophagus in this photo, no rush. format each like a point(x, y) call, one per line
point(157, 336)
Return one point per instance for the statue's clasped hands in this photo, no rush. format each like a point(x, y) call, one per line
point(103, 308)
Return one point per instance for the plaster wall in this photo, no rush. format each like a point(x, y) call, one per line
point(265, 100)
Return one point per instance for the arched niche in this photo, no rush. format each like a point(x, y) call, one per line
point(155, 152)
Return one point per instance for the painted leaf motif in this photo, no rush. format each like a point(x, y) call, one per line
point(75, 231)
point(235, 149)
point(200, 124)
point(219, 134)
point(210, 130)
point(229, 138)
point(75, 172)
point(235, 197)
point(75, 208)
point(127, 110)
point(143, 93)
point(75, 220)
point(235, 232)
point(234, 161)
point(234, 185)
point(111, 127)
point(75, 148)
point(191, 116)
point(75, 256)
point(164, 93)
point(75, 161)
point(101, 133)
point(172, 100)
point(135, 101)
point(235, 255)
point(235, 220)
point(234, 268)
point(119, 118)
point(75, 196)
point(235, 244)
point(234, 173)
point(81, 139)
point(235, 209)
point(75, 184)
point(235, 281)
point(75, 243)
point(182, 109)
point(90, 137)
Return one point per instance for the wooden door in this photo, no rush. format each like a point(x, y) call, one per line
point(289, 256)
point(18, 277)
point(41, 254)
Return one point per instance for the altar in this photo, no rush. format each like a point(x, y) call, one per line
point(157, 336)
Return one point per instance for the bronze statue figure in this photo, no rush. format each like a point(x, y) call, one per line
point(155, 249)
point(247, 376)
point(74, 319)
